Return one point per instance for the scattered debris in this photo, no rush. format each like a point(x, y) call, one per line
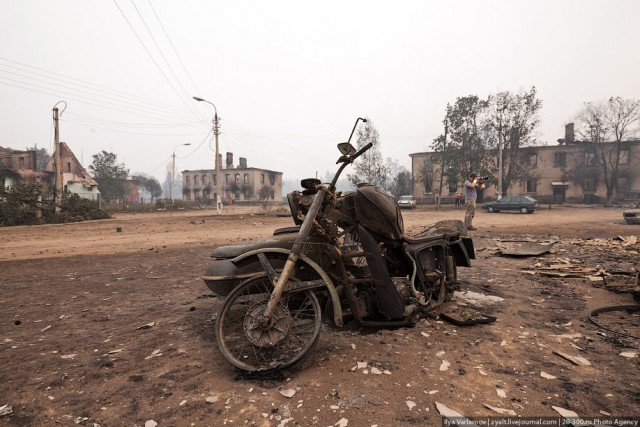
point(576, 360)
point(150, 423)
point(146, 326)
point(411, 404)
point(69, 356)
point(445, 365)
point(570, 416)
point(501, 393)
point(115, 351)
point(342, 422)
point(6, 410)
point(211, 399)
point(547, 376)
point(156, 353)
point(502, 411)
point(629, 354)
point(466, 316)
point(475, 298)
point(450, 413)
point(289, 392)
point(515, 248)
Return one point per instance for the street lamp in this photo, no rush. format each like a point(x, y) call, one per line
point(218, 165)
point(173, 170)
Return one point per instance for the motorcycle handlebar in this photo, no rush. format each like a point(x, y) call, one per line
point(361, 151)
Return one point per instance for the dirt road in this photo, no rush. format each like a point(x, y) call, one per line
point(107, 327)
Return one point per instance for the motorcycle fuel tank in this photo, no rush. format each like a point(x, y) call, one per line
point(377, 212)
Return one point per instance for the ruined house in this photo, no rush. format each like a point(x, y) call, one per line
point(75, 178)
point(238, 184)
point(21, 166)
point(566, 172)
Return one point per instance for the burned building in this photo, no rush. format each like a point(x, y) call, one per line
point(566, 172)
point(239, 183)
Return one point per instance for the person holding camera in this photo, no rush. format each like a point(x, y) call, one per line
point(471, 186)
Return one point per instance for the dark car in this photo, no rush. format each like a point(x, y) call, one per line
point(523, 204)
point(632, 216)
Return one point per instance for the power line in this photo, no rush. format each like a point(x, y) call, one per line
point(151, 56)
point(173, 47)
point(25, 68)
point(116, 101)
point(164, 58)
point(49, 91)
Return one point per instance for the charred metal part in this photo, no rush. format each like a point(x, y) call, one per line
point(266, 335)
point(337, 308)
point(524, 248)
point(597, 311)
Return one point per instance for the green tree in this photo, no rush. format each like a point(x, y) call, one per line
point(369, 167)
point(149, 184)
point(110, 175)
point(607, 127)
point(401, 184)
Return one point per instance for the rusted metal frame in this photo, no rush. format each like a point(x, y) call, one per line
point(329, 286)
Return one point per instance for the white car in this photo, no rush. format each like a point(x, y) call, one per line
point(407, 202)
point(632, 216)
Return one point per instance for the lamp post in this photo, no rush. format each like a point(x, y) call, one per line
point(218, 165)
point(173, 170)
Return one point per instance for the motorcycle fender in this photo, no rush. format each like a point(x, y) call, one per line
point(247, 265)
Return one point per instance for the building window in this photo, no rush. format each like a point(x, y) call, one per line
point(204, 179)
point(68, 166)
point(588, 186)
point(532, 160)
point(21, 162)
point(624, 157)
point(589, 158)
point(227, 177)
point(237, 177)
point(246, 178)
point(560, 159)
point(195, 180)
point(531, 185)
point(188, 179)
point(272, 179)
point(246, 194)
point(237, 195)
point(261, 178)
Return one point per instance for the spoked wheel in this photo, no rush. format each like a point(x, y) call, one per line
point(252, 345)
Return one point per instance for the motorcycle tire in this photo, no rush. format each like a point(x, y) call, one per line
point(291, 335)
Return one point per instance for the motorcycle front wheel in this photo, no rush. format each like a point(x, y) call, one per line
point(249, 344)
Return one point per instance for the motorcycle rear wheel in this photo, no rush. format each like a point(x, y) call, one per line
point(292, 334)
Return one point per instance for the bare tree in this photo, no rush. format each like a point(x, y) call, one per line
point(370, 167)
point(608, 127)
point(513, 120)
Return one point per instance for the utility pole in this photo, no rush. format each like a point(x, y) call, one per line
point(444, 153)
point(173, 170)
point(218, 162)
point(216, 132)
point(500, 159)
point(58, 161)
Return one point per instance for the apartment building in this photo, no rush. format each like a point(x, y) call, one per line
point(563, 173)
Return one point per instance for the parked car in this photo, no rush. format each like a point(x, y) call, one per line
point(632, 216)
point(407, 202)
point(524, 204)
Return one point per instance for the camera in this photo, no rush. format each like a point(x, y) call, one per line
point(484, 178)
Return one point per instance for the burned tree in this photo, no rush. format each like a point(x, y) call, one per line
point(607, 128)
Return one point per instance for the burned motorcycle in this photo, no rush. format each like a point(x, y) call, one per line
point(348, 254)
